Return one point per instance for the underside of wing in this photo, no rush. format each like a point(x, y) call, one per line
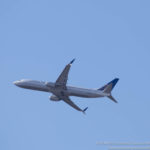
point(62, 79)
point(72, 104)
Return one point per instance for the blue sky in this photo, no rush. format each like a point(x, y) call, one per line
point(108, 39)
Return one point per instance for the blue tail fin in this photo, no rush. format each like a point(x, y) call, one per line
point(109, 86)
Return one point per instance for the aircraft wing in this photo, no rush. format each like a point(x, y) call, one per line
point(68, 101)
point(62, 79)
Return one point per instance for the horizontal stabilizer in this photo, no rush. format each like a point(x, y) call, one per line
point(112, 98)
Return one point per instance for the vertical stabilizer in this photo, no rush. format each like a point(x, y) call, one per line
point(109, 87)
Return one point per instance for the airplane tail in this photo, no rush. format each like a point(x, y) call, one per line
point(108, 88)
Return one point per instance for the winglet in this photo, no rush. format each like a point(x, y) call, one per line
point(84, 110)
point(72, 61)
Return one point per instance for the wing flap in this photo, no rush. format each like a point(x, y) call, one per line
point(72, 104)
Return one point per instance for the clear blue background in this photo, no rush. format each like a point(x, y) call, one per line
point(108, 39)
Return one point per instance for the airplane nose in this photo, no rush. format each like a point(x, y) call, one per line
point(17, 83)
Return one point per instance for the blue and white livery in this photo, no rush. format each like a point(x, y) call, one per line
point(60, 90)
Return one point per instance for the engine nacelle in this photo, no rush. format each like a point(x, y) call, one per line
point(54, 98)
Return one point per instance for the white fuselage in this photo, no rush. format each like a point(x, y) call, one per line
point(50, 87)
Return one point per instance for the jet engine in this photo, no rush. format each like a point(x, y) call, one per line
point(54, 98)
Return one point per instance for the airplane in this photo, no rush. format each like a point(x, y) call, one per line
point(60, 90)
